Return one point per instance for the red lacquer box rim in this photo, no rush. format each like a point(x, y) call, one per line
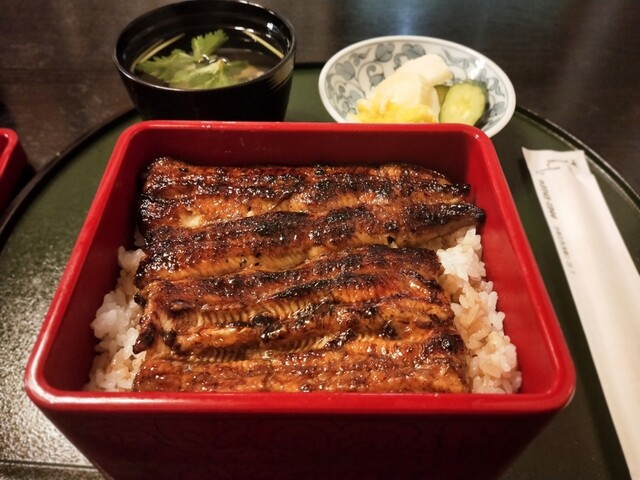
point(13, 161)
point(555, 396)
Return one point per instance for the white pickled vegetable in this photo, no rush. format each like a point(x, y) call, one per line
point(408, 95)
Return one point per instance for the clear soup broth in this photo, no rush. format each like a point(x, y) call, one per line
point(244, 56)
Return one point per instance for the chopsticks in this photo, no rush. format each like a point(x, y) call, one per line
point(603, 279)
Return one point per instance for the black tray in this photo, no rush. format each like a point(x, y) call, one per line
point(38, 231)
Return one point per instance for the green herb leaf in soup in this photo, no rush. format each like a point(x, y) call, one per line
point(204, 68)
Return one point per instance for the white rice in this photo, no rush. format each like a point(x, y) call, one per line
point(115, 325)
point(492, 361)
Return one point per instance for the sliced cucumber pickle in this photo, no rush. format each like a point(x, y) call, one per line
point(441, 90)
point(464, 103)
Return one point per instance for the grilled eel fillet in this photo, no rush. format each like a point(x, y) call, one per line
point(281, 240)
point(266, 309)
point(281, 278)
point(370, 318)
point(180, 195)
point(358, 366)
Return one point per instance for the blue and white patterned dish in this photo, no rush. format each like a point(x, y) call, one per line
point(354, 71)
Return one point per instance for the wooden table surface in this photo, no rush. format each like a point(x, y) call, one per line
point(574, 63)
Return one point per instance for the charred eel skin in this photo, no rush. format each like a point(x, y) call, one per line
point(367, 290)
point(180, 195)
point(369, 365)
point(281, 240)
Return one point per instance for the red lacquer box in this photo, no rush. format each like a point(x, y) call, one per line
point(301, 435)
point(13, 164)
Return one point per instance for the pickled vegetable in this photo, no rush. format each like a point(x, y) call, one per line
point(464, 103)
